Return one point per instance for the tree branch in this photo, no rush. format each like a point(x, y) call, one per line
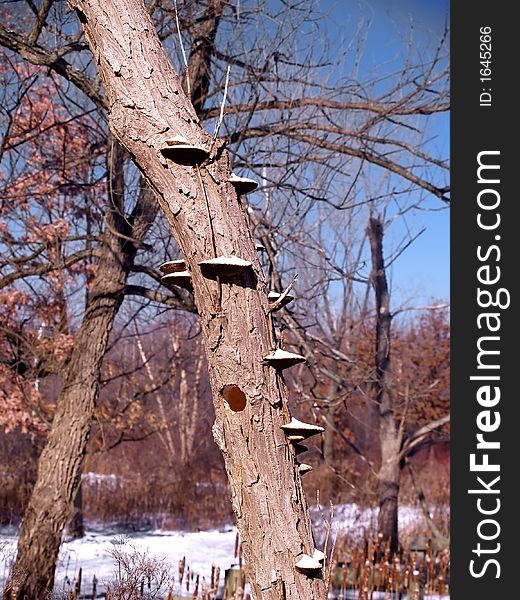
point(420, 434)
point(175, 300)
point(38, 56)
point(47, 268)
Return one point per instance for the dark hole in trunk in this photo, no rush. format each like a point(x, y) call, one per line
point(235, 397)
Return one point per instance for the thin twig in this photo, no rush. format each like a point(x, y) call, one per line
point(182, 48)
point(276, 305)
point(221, 115)
point(210, 220)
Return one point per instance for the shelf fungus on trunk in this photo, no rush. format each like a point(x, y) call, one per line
point(300, 448)
point(319, 556)
point(275, 303)
point(179, 278)
point(295, 438)
point(309, 565)
point(304, 468)
point(224, 266)
point(281, 359)
point(173, 266)
point(301, 431)
point(182, 152)
point(260, 247)
point(242, 185)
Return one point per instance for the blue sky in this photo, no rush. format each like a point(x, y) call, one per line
point(422, 272)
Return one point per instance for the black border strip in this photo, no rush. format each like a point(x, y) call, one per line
point(484, 122)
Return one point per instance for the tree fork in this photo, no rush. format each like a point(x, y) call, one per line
point(147, 107)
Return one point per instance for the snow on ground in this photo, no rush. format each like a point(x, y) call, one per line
point(359, 523)
point(201, 549)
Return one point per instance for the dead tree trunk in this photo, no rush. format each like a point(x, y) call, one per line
point(147, 108)
point(390, 433)
point(59, 467)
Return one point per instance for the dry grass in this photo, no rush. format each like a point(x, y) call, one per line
point(370, 568)
point(361, 573)
point(158, 499)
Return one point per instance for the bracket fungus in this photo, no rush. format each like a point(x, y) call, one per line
point(225, 266)
point(173, 266)
point(180, 278)
point(300, 448)
point(309, 565)
point(304, 468)
point(275, 303)
point(281, 359)
point(318, 555)
point(301, 430)
point(259, 247)
point(295, 438)
point(182, 152)
point(242, 185)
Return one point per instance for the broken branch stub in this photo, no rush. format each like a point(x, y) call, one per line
point(235, 397)
point(278, 301)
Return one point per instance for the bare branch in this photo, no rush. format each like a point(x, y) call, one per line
point(420, 434)
point(37, 55)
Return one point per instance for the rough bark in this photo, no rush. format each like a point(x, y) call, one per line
point(389, 477)
point(76, 524)
point(59, 467)
point(390, 434)
point(146, 107)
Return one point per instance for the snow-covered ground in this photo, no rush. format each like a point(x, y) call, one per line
point(201, 549)
point(360, 523)
point(92, 553)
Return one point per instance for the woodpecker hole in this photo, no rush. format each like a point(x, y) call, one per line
point(235, 397)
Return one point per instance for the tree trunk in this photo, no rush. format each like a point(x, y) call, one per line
point(390, 435)
point(60, 463)
point(76, 526)
point(146, 108)
point(389, 477)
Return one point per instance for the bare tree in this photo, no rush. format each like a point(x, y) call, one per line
point(209, 222)
point(393, 436)
point(352, 364)
point(58, 479)
point(394, 444)
point(390, 431)
point(146, 110)
point(60, 463)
